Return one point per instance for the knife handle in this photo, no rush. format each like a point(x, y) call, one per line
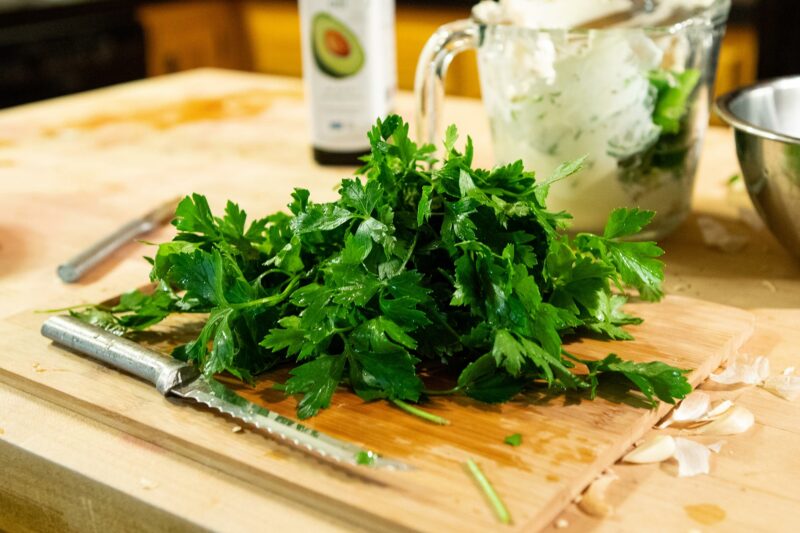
point(75, 268)
point(118, 352)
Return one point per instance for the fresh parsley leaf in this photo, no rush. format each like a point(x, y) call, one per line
point(627, 222)
point(636, 263)
point(513, 440)
point(484, 381)
point(316, 380)
point(654, 379)
point(386, 374)
point(100, 318)
point(638, 266)
point(414, 266)
point(424, 206)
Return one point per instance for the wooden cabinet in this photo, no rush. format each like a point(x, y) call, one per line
point(738, 61)
point(273, 30)
point(414, 26)
point(186, 35)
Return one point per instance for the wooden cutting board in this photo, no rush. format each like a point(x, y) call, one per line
point(567, 442)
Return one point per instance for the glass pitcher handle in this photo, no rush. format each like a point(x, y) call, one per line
point(448, 41)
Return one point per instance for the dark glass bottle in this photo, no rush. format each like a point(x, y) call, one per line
point(344, 159)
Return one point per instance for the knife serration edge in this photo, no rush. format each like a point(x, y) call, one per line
point(215, 395)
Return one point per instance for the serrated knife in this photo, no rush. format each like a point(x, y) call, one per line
point(175, 378)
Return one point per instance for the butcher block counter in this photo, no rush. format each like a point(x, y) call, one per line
point(75, 168)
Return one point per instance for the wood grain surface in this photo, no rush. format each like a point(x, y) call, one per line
point(74, 168)
point(567, 442)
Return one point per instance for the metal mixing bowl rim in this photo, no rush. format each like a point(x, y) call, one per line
point(723, 109)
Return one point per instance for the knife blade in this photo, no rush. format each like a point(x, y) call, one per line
point(175, 378)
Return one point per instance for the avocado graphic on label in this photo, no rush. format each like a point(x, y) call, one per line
point(336, 48)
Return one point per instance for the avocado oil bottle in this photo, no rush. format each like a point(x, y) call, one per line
point(350, 73)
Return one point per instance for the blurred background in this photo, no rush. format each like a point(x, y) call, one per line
point(54, 47)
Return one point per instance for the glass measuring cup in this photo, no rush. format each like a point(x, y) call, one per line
point(633, 99)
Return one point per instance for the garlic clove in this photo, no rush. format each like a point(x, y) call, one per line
point(736, 420)
point(654, 450)
point(594, 501)
point(691, 419)
point(693, 458)
point(718, 409)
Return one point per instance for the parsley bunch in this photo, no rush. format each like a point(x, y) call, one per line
point(412, 270)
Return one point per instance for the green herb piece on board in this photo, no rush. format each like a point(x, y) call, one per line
point(488, 490)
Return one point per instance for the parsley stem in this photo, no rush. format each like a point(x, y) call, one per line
point(410, 252)
point(450, 329)
point(420, 413)
point(447, 392)
point(270, 300)
point(488, 490)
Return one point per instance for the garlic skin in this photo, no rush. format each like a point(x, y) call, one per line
point(693, 458)
point(736, 420)
point(786, 386)
point(654, 450)
point(716, 235)
point(743, 372)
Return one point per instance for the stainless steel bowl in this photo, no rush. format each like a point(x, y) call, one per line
point(766, 118)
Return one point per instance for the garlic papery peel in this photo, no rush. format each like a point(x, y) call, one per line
point(717, 446)
point(716, 235)
point(693, 407)
point(653, 450)
point(736, 420)
point(594, 501)
point(693, 458)
point(787, 385)
point(743, 371)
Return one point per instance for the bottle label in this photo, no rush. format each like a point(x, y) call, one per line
point(349, 69)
